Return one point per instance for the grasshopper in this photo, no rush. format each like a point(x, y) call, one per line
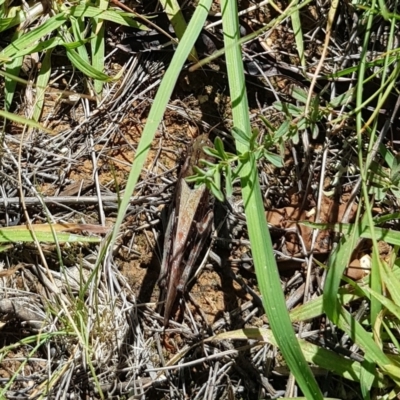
point(188, 228)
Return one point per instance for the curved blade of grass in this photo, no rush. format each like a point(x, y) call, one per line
point(85, 67)
point(41, 31)
point(264, 260)
point(118, 17)
point(178, 22)
point(346, 294)
point(160, 103)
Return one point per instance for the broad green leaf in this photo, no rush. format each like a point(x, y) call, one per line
point(299, 94)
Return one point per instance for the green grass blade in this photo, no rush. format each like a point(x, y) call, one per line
point(41, 84)
point(22, 234)
point(85, 67)
point(118, 17)
point(298, 35)
point(78, 29)
point(98, 46)
point(160, 103)
point(264, 260)
point(178, 22)
point(41, 31)
point(12, 68)
point(24, 121)
point(364, 339)
point(44, 45)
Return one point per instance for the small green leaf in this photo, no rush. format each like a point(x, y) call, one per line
point(299, 94)
point(258, 153)
point(314, 131)
point(198, 172)
point(295, 137)
point(253, 138)
point(315, 113)
point(219, 147)
point(206, 163)
point(273, 158)
point(217, 178)
point(228, 181)
point(302, 124)
point(212, 152)
point(216, 191)
point(283, 130)
point(267, 123)
point(395, 170)
point(241, 137)
point(342, 99)
point(289, 109)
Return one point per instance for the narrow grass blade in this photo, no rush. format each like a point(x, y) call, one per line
point(264, 260)
point(178, 22)
point(41, 84)
point(24, 121)
point(98, 46)
point(12, 68)
point(298, 35)
point(37, 34)
point(85, 67)
point(160, 103)
point(118, 17)
point(364, 339)
point(24, 235)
